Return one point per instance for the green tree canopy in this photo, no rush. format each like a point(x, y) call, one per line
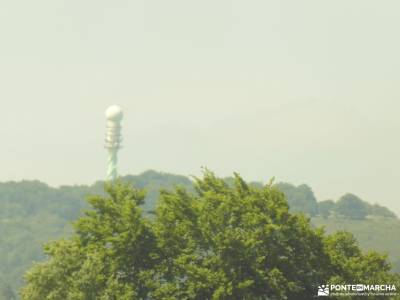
point(326, 207)
point(300, 198)
point(350, 206)
point(220, 242)
point(380, 211)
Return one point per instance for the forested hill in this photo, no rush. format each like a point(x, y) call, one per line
point(32, 213)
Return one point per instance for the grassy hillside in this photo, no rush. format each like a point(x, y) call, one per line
point(380, 234)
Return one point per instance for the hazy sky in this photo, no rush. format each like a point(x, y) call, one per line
point(307, 91)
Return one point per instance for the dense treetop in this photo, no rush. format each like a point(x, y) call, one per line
point(220, 242)
point(32, 213)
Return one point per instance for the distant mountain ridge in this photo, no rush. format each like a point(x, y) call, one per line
point(32, 213)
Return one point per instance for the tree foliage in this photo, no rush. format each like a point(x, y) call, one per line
point(326, 207)
point(300, 198)
point(220, 242)
point(351, 206)
point(32, 213)
point(380, 211)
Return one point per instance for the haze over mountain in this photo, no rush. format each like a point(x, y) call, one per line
point(305, 91)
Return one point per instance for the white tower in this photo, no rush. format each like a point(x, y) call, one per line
point(113, 141)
